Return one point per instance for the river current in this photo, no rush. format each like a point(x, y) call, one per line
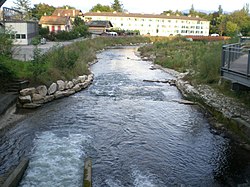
point(134, 131)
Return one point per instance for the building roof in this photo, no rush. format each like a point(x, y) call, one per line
point(67, 12)
point(138, 15)
point(53, 20)
point(98, 23)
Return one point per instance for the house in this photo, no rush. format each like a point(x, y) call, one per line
point(153, 24)
point(99, 27)
point(22, 31)
point(72, 13)
point(56, 23)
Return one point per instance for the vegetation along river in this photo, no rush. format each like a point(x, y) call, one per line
point(134, 131)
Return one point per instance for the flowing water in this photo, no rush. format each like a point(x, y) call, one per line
point(134, 131)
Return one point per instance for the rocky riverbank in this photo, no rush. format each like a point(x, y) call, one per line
point(236, 116)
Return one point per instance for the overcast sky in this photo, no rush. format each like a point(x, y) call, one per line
point(148, 6)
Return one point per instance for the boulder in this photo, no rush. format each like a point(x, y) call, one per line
point(84, 85)
point(81, 79)
point(52, 89)
point(49, 98)
point(42, 90)
point(37, 98)
point(68, 92)
point(27, 91)
point(31, 105)
point(76, 88)
point(75, 81)
point(69, 85)
point(61, 85)
point(25, 99)
point(59, 94)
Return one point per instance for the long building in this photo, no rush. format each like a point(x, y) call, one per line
point(153, 24)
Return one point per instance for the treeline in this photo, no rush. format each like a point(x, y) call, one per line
point(236, 23)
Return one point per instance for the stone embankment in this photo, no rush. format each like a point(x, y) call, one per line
point(230, 108)
point(35, 97)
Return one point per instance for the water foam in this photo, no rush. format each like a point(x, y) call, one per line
point(56, 161)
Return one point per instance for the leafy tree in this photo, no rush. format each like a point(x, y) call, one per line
point(101, 8)
point(24, 6)
point(192, 11)
point(41, 9)
point(171, 12)
point(117, 6)
point(66, 7)
point(5, 45)
point(231, 28)
point(220, 10)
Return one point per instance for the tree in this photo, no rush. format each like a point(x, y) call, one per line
point(220, 10)
point(41, 9)
point(192, 11)
point(101, 8)
point(24, 6)
point(117, 6)
point(170, 12)
point(231, 29)
point(66, 7)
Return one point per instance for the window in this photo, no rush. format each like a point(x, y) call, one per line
point(59, 28)
point(23, 36)
point(18, 36)
point(12, 36)
point(53, 28)
point(121, 24)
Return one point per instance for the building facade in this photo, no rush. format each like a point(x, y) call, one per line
point(56, 23)
point(22, 32)
point(153, 24)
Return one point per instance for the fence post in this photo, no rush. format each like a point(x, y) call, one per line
point(229, 57)
point(223, 56)
point(248, 63)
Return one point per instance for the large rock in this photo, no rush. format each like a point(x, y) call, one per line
point(61, 85)
point(59, 94)
point(76, 88)
point(69, 85)
point(81, 79)
point(84, 85)
point(27, 91)
point(75, 81)
point(90, 78)
point(52, 89)
point(42, 90)
point(49, 98)
point(31, 105)
point(37, 98)
point(25, 99)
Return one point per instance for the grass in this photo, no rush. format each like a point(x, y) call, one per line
point(63, 63)
point(202, 59)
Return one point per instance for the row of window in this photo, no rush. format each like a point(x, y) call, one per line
point(18, 36)
point(156, 20)
point(175, 31)
point(167, 26)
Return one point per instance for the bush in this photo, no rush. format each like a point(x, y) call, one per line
point(5, 45)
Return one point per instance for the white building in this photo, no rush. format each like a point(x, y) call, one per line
point(153, 24)
point(22, 32)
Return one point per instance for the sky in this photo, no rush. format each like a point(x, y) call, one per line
point(148, 6)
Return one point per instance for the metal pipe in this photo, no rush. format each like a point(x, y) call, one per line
point(248, 64)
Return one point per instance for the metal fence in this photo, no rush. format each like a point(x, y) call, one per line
point(236, 63)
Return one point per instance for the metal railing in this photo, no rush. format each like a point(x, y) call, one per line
point(235, 63)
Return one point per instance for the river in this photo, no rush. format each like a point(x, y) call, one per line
point(134, 131)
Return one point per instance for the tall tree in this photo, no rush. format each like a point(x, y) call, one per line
point(66, 7)
point(117, 6)
point(24, 6)
point(192, 11)
point(220, 10)
point(101, 8)
point(42, 9)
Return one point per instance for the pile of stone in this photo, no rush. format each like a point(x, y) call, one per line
point(36, 97)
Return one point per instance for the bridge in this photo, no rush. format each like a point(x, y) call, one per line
point(236, 65)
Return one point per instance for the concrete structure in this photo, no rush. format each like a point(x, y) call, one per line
point(99, 27)
point(153, 24)
point(22, 31)
point(56, 23)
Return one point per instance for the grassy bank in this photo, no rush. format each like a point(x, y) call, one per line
point(202, 59)
point(60, 63)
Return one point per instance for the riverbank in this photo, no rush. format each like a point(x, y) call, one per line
point(229, 116)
